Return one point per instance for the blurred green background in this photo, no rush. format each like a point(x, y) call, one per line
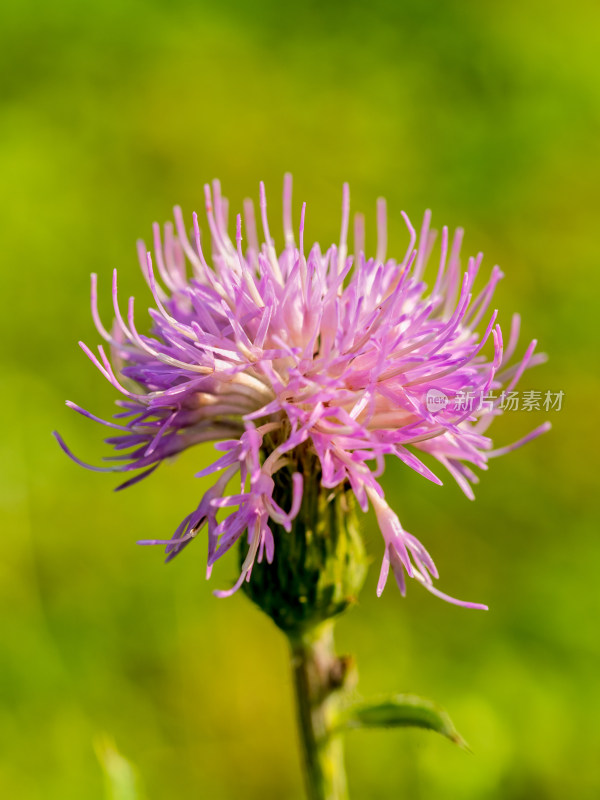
point(111, 113)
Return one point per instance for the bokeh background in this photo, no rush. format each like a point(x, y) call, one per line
point(113, 664)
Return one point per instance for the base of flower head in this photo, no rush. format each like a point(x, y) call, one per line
point(318, 567)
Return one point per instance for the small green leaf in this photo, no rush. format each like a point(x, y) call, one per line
point(120, 775)
point(402, 710)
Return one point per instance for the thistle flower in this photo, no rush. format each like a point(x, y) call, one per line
point(293, 359)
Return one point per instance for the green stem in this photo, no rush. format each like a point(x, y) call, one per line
point(319, 677)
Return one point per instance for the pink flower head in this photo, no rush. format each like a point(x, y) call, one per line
point(263, 352)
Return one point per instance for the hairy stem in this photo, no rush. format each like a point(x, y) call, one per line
point(319, 679)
